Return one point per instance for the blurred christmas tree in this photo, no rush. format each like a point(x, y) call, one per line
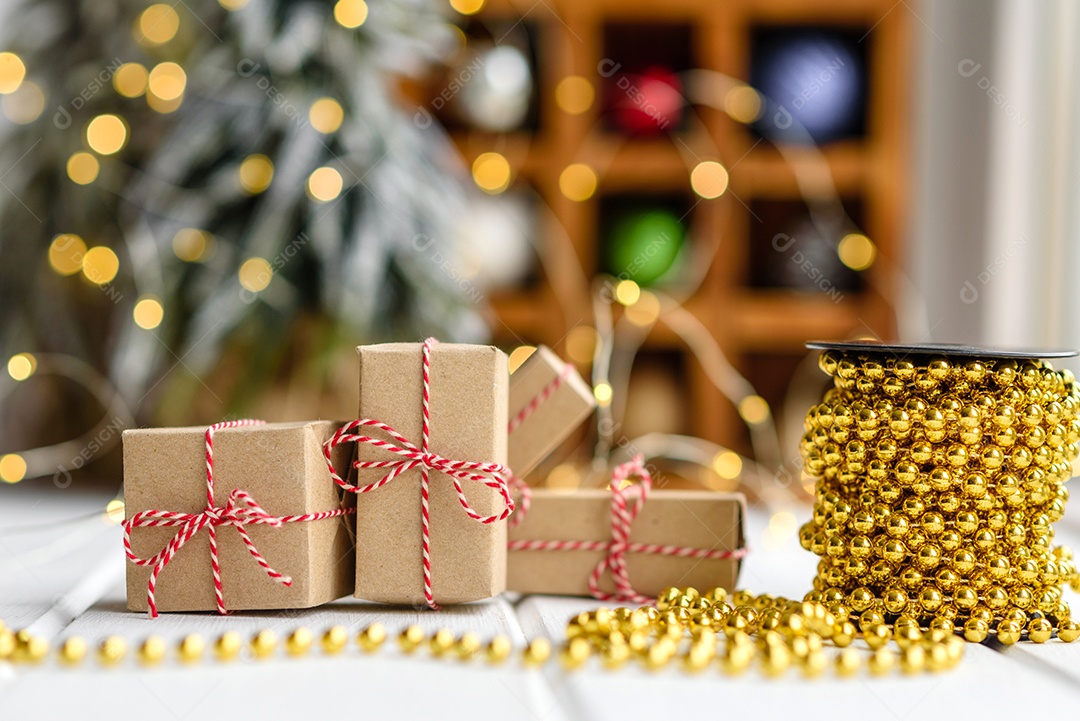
point(189, 191)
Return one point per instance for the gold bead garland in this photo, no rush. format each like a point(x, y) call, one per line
point(685, 628)
point(938, 481)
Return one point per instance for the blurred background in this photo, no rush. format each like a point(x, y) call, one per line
point(205, 206)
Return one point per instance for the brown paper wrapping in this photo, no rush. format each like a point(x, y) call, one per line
point(554, 419)
point(469, 395)
point(696, 519)
point(282, 467)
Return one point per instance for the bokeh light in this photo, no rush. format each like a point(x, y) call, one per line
point(578, 182)
point(23, 105)
point(467, 7)
point(12, 72)
point(754, 409)
point(709, 179)
point(602, 392)
point(82, 168)
point(645, 311)
point(21, 366)
point(350, 13)
point(256, 172)
point(326, 115)
point(157, 24)
point(856, 251)
point(574, 94)
point(743, 104)
point(66, 253)
point(564, 477)
point(581, 344)
point(167, 81)
point(324, 184)
point(627, 292)
point(519, 355)
point(106, 134)
point(192, 245)
point(255, 274)
point(130, 79)
point(148, 313)
point(100, 265)
point(491, 172)
point(12, 468)
point(727, 464)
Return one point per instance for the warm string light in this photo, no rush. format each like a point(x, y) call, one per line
point(491, 172)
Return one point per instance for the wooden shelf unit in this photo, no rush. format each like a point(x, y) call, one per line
point(745, 321)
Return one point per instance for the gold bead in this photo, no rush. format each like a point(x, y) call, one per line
point(411, 638)
point(1068, 630)
point(191, 647)
point(373, 635)
point(937, 658)
point(881, 662)
point(498, 649)
point(227, 646)
point(843, 634)
point(814, 664)
point(877, 635)
point(112, 650)
point(537, 652)
point(334, 640)
point(574, 654)
point(616, 654)
point(912, 659)
point(736, 659)
point(263, 644)
point(298, 643)
point(7, 643)
point(847, 663)
point(976, 630)
point(30, 648)
point(468, 645)
point(441, 641)
point(1008, 632)
point(73, 650)
point(1040, 630)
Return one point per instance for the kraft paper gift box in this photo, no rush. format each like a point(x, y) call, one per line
point(699, 520)
point(548, 401)
point(281, 467)
point(468, 419)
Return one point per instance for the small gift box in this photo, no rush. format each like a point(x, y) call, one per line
point(548, 401)
point(625, 544)
point(238, 516)
point(431, 480)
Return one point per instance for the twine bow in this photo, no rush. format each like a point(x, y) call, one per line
point(626, 503)
point(492, 475)
point(240, 510)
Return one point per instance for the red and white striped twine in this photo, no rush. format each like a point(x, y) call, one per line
point(517, 485)
point(492, 475)
point(240, 510)
point(626, 503)
point(542, 396)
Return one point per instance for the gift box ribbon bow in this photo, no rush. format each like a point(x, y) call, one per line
point(627, 500)
point(492, 475)
point(240, 510)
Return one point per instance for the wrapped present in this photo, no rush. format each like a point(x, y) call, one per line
point(548, 401)
point(241, 515)
point(626, 544)
point(431, 480)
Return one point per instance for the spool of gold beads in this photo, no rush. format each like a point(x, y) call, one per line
point(940, 471)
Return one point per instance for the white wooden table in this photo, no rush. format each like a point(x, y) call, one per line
point(47, 578)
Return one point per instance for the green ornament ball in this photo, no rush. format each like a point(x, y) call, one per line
point(643, 245)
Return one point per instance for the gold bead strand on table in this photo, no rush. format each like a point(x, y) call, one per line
point(938, 481)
